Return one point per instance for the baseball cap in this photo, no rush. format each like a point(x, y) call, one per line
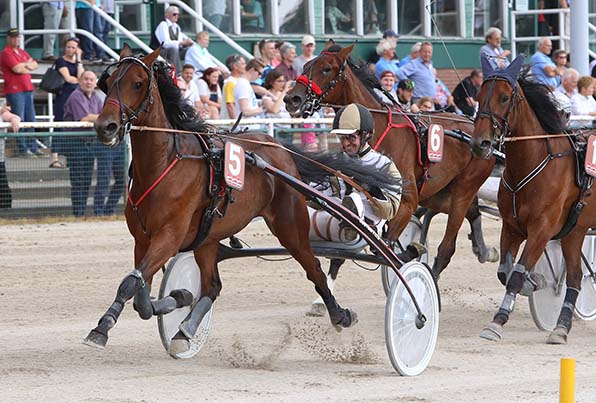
point(308, 39)
point(13, 32)
point(387, 73)
point(390, 32)
point(351, 118)
point(406, 84)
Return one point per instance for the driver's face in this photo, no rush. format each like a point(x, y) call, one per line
point(350, 143)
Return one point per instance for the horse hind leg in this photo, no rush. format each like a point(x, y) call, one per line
point(482, 252)
point(317, 308)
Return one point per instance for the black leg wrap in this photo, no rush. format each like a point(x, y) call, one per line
point(516, 282)
point(505, 269)
point(190, 325)
point(142, 302)
point(176, 299)
point(566, 316)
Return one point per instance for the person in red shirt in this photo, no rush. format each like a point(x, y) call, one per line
point(16, 65)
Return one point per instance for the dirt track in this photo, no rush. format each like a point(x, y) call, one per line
point(58, 279)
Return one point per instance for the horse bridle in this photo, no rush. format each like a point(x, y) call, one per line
point(314, 93)
point(127, 114)
point(500, 124)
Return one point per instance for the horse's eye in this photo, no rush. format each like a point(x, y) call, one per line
point(327, 70)
point(504, 98)
point(138, 85)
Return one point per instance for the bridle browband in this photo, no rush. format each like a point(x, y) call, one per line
point(127, 113)
point(314, 93)
point(500, 124)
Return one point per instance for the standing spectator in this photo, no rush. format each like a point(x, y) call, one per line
point(583, 103)
point(214, 12)
point(308, 53)
point(288, 55)
point(210, 92)
point(422, 72)
point(267, 52)
point(274, 104)
point(244, 96)
point(496, 56)
point(108, 7)
point(414, 53)
point(464, 95)
point(543, 68)
point(192, 90)
point(90, 21)
point(253, 19)
point(71, 68)
point(237, 67)
point(277, 54)
point(198, 55)
point(16, 67)
point(173, 41)
point(52, 14)
point(386, 51)
point(391, 36)
point(569, 81)
point(14, 120)
point(83, 105)
point(560, 59)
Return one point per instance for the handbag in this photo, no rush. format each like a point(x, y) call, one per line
point(52, 81)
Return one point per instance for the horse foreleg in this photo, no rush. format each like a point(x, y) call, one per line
point(484, 253)
point(317, 307)
point(571, 246)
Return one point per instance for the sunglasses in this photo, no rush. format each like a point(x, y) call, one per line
point(175, 13)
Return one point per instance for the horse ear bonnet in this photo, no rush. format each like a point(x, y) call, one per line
point(510, 73)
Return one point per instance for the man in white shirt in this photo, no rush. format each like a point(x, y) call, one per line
point(308, 53)
point(199, 56)
point(171, 37)
point(244, 96)
point(569, 81)
point(191, 91)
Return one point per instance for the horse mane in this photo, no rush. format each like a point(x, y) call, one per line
point(542, 103)
point(180, 112)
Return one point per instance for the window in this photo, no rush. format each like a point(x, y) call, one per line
point(293, 16)
point(253, 16)
point(409, 17)
point(339, 17)
point(218, 13)
point(486, 14)
point(444, 13)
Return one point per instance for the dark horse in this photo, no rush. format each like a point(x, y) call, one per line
point(175, 196)
point(538, 197)
point(448, 186)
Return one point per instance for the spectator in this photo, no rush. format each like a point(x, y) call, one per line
point(274, 105)
point(90, 21)
point(14, 120)
point(244, 96)
point(108, 7)
point(338, 20)
point(560, 59)
point(391, 36)
point(267, 53)
point(214, 11)
point(583, 103)
point(52, 14)
point(422, 72)
point(496, 56)
point(386, 52)
point(308, 53)
point(83, 105)
point(464, 95)
point(237, 67)
point(253, 19)
point(387, 81)
point(288, 55)
point(443, 98)
point(198, 55)
point(426, 104)
point(16, 68)
point(543, 68)
point(276, 61)
point(593, 68)
point(405, 92)
point(569, 81)
point(173, 41)
point(191, 89)
point(414, 53)
point(210, 92)
point(71, 68)
point(371, 18)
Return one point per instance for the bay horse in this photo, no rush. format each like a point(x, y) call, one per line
point(448, 186)
point(172, 191)
point(538, 197)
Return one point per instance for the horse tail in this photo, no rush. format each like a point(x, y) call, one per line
point(366, 175)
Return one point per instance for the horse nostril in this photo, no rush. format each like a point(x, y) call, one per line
point(485, 144)
point(112, 128)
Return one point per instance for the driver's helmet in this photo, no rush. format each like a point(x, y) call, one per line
point(352, 118)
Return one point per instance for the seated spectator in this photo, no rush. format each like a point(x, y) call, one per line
point(422, 72)
point(391, 36)
point(464, 95)
point(426, 104)
point(405, 92)
point(252, 16)
point(244, 96)
point(237, 67)
point(338, 21)
point(277, 54)
point(274, 104)
point(496, 56)
point(198, 56)
point(569, 81)
point(387, 82)
point(210, 92)
point(171, 38)
point(386, 52)
point(583, 102)
point(543, 68)
point(443, 98)
point(560, 59)
point(288, 55)
point(14, 120)
point(191, 91)
point(414, 53)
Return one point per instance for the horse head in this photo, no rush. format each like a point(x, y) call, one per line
point(497, 99)
point(128, 85)
point(318, 81)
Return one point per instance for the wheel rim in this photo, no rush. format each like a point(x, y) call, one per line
point(585, 306)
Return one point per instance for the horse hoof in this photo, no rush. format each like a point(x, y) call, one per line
point(96, 340)
point(350, 320)
point(178, 346)
point(492, 255)
point(317, 310)
point(557, 336)
point(492, 332)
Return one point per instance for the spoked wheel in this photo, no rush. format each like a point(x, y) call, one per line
point(585, 306)
point(182, 272)
point(410, 348)
point(545, 304)
point(411, 233)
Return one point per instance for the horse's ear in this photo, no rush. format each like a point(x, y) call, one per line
point(329, 43)
point(344, 53)
point(126, 51)
point(515, 67)
point(150, 58)
point(487, 69)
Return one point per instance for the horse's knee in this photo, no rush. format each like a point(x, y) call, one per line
point(129, 286)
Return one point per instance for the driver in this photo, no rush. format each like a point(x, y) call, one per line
point(354, 125)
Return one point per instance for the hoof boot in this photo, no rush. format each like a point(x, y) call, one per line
point(96, 340)
point(492, 332)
